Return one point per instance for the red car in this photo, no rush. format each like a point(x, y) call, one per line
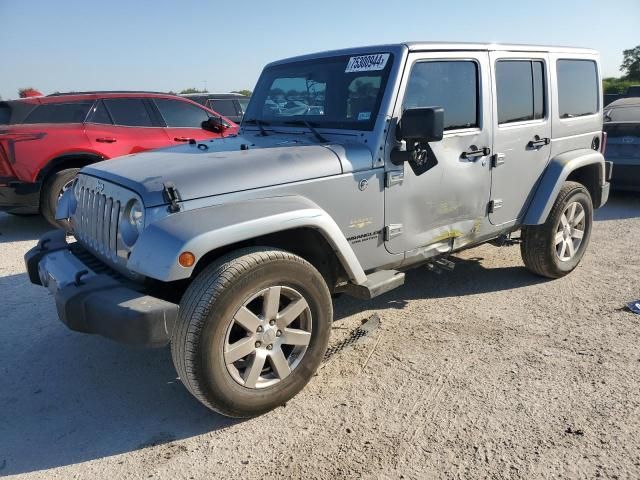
point(44, 141)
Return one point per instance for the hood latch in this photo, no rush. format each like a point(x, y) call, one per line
point(171, 195)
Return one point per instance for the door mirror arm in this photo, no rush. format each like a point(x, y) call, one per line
point(215, 125)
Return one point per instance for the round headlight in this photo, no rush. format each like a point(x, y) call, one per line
point(136, 216)
point(132, 222)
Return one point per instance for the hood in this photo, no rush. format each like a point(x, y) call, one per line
point(232, 164)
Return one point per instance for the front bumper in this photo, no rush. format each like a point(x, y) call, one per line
point(19, 197)
point(100, 303)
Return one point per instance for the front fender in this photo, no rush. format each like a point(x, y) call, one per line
point(555, 175)
point(205, 229)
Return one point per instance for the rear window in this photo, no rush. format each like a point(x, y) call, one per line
point(73, 112)
point(128, 112)
point(622, 114)
point(577, 88)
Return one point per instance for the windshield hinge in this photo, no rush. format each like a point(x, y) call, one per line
point(495, 205)
point(392, 231)
point(497, 159)
point(393, 177)
point(171, 195)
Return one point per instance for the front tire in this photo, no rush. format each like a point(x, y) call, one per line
point(52, 190)
point(252, 330)
point(556, 247)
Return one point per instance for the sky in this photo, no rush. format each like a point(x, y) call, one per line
point(71, 45)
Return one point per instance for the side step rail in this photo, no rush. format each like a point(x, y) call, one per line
point(377, 283)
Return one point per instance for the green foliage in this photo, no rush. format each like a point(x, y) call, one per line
point(246, 93)
point(631, 63)
point(616, 85)
point(192, 90)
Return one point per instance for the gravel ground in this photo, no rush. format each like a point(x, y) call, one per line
point(486, 371)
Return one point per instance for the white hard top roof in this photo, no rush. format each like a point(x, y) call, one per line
point(437, 46)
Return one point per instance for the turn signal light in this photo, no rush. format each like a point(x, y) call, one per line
point(187, 259)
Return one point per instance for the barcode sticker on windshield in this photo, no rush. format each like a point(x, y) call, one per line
point(367, 63)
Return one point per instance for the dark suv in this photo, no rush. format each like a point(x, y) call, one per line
point(231, 105)
point(44, 141)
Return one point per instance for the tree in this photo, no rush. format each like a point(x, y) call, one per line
point(246, 93)
point(631, 63)
point(28, 92)
point(192, 90)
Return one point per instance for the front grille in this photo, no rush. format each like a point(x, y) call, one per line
point(93, 262)
point(96, 221)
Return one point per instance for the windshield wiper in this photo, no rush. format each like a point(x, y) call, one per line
point(311, 128)
point(259, 123)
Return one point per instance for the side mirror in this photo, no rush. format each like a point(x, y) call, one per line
point(215, 125)
point(421, 125)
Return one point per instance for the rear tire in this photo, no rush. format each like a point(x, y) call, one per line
point(556, 247)
point(52, 190)
point(233, 352)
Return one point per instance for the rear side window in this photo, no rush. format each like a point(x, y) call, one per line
point(74, 112)
point(128, 112)
point(226, 108)
point(452, 85)
point(181, 114)
point(5, 114)
point(99, 114)
point(577, 88)
point(520, 90)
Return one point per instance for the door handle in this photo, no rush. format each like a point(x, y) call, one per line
point(183, 139)
point(476, 152)
point(106, 140)
point(538, 142)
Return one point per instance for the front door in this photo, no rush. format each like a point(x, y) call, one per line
point(522, 132)
point(183, 120)
point(434, 207)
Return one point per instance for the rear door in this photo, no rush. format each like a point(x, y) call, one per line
point(522, 131)
point(183, 120)
point(120, 126)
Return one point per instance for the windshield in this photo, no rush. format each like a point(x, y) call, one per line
point(337, 92)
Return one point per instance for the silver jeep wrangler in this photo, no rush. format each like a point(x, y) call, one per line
point(350, 167)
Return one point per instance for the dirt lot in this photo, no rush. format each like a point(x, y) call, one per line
point(487, 371)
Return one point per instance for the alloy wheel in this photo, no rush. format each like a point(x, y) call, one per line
point(570, 231)
point(268, 337)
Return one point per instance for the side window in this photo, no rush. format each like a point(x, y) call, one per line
point(74, 112)
point(520, 90)
point(177, 113)
point(577, 88)
point(451, 84)
point(128, 112)
point(226, 108)
point(99, 114)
